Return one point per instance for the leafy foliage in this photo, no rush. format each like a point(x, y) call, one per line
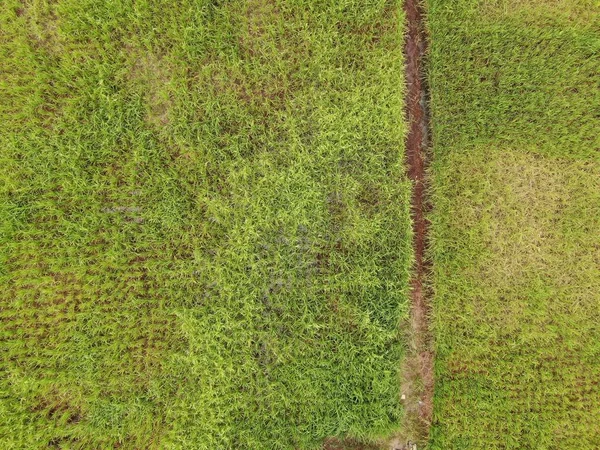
point(205, 236)
point(516, 273)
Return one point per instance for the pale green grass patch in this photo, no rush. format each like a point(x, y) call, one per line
point(516, 300)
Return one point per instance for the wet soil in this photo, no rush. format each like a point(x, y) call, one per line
point(418, 373)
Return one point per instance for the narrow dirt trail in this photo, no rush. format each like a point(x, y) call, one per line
point(418, 380)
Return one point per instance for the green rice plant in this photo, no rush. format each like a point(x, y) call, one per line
point(205, 235)
point(515, 185)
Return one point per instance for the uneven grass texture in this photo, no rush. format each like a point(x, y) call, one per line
point(516, 223)
point(205, 229)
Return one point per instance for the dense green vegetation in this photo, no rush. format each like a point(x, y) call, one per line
point(205, 239)
point(516, 187)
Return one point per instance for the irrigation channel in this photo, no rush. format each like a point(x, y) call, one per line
point(418, 379)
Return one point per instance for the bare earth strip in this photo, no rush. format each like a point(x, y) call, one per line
point(417, 372)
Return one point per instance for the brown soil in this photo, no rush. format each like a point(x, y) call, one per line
point(417, 373)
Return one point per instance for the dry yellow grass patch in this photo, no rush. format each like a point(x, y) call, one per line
point(580, 12)
point(520, 317)
point(154, 73)
point(522, 202)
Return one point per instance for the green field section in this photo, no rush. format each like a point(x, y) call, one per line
point(515, 98)
point(205, 237)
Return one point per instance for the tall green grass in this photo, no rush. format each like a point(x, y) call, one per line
point(515, 96)
point(205, 235)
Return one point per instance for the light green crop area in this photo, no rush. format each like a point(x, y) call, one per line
point(515, 90)
point(205, 237)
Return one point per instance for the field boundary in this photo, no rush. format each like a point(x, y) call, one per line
point(417, 371)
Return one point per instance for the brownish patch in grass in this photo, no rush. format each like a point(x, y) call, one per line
point(43, 23)
point(258, 16)
point(269, 94)
point(154, 72)
point(370, 198)
point(583, 12)
point(59, 407)
point(372, 32)
point(264, 40)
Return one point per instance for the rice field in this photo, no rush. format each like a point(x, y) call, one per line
point(515, 177)
point(205, 236)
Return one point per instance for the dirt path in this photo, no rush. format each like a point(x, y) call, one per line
point(418, 382)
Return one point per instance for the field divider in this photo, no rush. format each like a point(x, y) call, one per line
point(417, 371)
